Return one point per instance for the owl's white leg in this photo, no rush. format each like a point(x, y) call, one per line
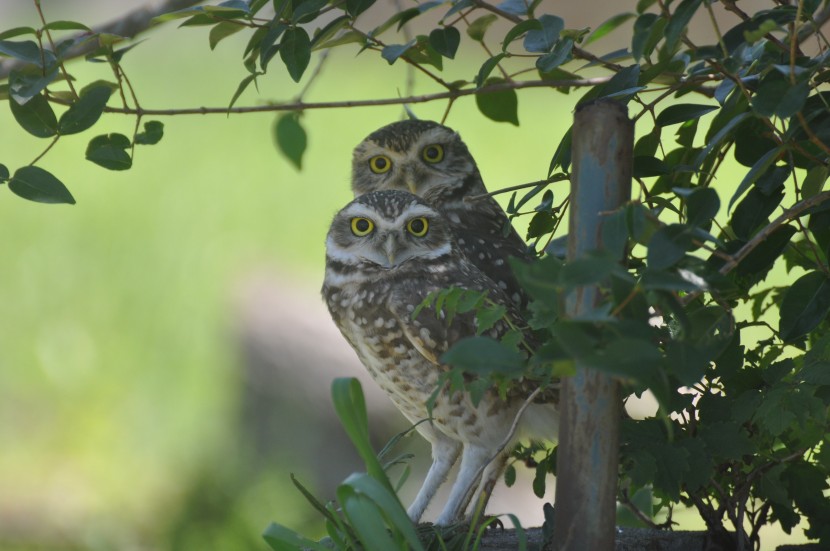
point(489, 479)
point(472, 459)
point(444, 454)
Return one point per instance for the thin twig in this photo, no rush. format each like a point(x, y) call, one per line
point(54, 49)
point(517, 187)
point(298, 106)
point(790, 214)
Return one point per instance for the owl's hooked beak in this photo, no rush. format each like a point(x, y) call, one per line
point(390, 247)
point(413, 188)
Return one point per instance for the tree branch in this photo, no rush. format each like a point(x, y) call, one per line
point(790, 214)
point(300, 105)
point(131, 25)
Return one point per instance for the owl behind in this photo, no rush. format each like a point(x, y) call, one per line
point(431, 161)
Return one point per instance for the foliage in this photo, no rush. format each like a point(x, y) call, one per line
point(738, 363)
point(367, 514)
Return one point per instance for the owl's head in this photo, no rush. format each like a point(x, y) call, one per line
point(388, 229)
point(422, 157)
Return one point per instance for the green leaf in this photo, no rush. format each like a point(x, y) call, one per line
point(623, 83)
point(510, 476)
point(66, 26)
point(4, 173)
point(607, 26)
point(307, 11)
point(727, 440)
point(392, 52)
point(295, 51)
point(675, 114)
point(242, 86)
point(543, 39)
point(280, 538)
point(221, 31)
point(477, 29)
point(668, 245)
point(35, 116)
point(562, 156)
point(716, 140)
point(561, 53)
point(539, 479)
point(356, 7)
point(678, 23)
point(814, 181)
point(178, 14)
point(388, 503)
point(805, 305)
point(541, 224)
point(36, 184)
point(445, 41)
point(484, 356)
point(540, 278)
point(646, 35)
point(322, 38)
point(110, 151)
point(291, 138)
point(518, 30)
point(85, 112)
point(18, 31)
point(501, 106)
point(26, 51)
point(758, 169)
point(153, 132)
point(487, 68)
point(777, 97)
point(754, 211)
point(350, 405)
point(366, 518)
point(701, 207)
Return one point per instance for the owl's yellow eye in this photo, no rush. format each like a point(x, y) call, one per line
point(380, 164)
point(362, 226)
point(433, 153)
point(418, 226)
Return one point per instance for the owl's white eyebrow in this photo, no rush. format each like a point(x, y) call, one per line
point(414, 211)
point(356, 209)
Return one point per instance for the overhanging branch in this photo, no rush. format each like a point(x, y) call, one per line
point(129, 26)
point(301, 105)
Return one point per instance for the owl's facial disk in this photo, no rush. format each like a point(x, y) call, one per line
point(361, 234)
point(436, 158)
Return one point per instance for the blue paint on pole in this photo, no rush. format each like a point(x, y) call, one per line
point(585, 506)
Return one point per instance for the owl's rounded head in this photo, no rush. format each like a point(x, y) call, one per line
point(422, 157)
point(388, 229)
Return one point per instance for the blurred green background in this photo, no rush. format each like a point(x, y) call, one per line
point(164, 357)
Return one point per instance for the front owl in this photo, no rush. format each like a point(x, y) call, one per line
point(385, 252)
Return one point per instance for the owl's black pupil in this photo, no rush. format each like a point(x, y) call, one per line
point(362, 225)
point(417, 225)
point(432, 152)
point(380, 163)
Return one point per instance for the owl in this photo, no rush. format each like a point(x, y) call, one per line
point(385, 252)
point(431, 161)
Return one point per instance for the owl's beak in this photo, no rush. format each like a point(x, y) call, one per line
point(410, 183)
point(390, 247)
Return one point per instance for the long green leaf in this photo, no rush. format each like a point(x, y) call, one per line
point(280, 538)
point(350, 406)
point(388, 503)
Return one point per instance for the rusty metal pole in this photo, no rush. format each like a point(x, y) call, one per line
point(586, 481)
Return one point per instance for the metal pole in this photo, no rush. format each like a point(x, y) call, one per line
point(586, 481)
